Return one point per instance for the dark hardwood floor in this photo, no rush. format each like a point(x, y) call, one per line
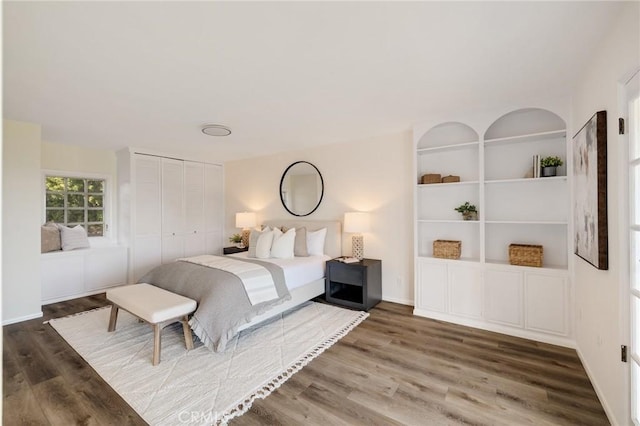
point(394, 368)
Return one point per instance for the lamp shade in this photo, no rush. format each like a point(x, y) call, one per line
point(245, 220)
point(356, 222)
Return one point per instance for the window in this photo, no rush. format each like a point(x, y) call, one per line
point(73, 201)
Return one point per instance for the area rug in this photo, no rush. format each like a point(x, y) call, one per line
point(201, 386)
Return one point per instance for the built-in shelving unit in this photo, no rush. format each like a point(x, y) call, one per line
point(482, 289)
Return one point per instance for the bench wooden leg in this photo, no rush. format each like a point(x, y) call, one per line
point(113, 318)
point(156, 343)
point(188, 339)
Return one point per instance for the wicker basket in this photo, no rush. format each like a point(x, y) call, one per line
point(447, 249)
point(450, 178)
point(525, 255)
point(430, 178)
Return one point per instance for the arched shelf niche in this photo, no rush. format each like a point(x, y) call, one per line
point(447, 134)
point(518, 205)
point(513, 139)
point(449, 148)
point(526, 121)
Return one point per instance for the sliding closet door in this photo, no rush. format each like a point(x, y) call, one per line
point(194, 239)
point(213, 208)
point(172, 209)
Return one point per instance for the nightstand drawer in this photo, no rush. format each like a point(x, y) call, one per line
point(344, 273)
point(234, 250)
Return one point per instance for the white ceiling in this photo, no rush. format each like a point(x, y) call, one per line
point(282, 75)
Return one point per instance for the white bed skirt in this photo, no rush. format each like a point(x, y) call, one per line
point(299, 295)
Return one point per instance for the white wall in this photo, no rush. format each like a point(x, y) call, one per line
point(71, 158)
point(373, 175)
point(21, 221)
point(601, 319)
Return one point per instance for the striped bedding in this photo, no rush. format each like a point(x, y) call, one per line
point(229, 292)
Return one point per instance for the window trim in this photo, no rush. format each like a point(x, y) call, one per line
point(107, 196)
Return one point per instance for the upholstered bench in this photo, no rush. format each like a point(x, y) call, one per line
point(154, 305)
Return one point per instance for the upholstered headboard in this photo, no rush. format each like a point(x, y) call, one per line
point(333, 241)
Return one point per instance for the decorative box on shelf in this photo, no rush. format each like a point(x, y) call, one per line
point(447, 249)
point(525, 255)
point(450, 179)
point(430, 178)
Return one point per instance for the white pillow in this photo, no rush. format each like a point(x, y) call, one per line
point(282, 246)
point(315, 242)
point(253, 240)
point(263, 246)
point(73, 238)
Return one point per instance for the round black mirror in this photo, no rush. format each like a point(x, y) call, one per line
point(301, 188)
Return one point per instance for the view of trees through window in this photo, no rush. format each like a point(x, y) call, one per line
point(74, 201)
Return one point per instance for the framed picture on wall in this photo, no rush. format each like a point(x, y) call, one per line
point(590, 191)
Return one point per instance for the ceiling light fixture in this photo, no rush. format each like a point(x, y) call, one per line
point(216, 130)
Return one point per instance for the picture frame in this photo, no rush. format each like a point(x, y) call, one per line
point(590, 191)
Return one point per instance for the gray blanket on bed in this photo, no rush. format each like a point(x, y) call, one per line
point(223, 304)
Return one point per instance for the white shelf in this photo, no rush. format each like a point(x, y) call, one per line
point(439, 185)
point(555, 134)
point(525, 222)
point(503, 264)
point(462, 259)
point(527, 180)
point(447, 221)
point(507, 265)
point(448, 147)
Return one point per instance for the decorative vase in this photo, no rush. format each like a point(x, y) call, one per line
point(245, 237)
point(470, 216)
point(549, 171)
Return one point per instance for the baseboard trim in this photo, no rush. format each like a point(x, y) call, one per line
point(77, 295)
point(23, 318)
point(399, 301)
point(497, 328)
point(594, 383)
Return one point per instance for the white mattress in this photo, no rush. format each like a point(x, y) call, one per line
point(298, 271)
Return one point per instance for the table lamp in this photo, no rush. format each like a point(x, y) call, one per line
point(356, 222)
point(245, 220)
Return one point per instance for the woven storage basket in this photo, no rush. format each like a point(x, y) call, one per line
point(525, 255)
point(450, 178)
point(447, 249)
point(430, 178)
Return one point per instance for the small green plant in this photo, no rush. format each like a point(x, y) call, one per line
point(235, 238)
point(551, 162)
point(466, 208)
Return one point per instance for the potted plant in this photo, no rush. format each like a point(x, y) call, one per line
point(469, 211)
point(549, 166)
point(237, 240)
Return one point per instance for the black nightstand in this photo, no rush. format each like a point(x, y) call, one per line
point(355, 285)
point(233, 250)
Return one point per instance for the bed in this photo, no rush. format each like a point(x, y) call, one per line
point(223, 305)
